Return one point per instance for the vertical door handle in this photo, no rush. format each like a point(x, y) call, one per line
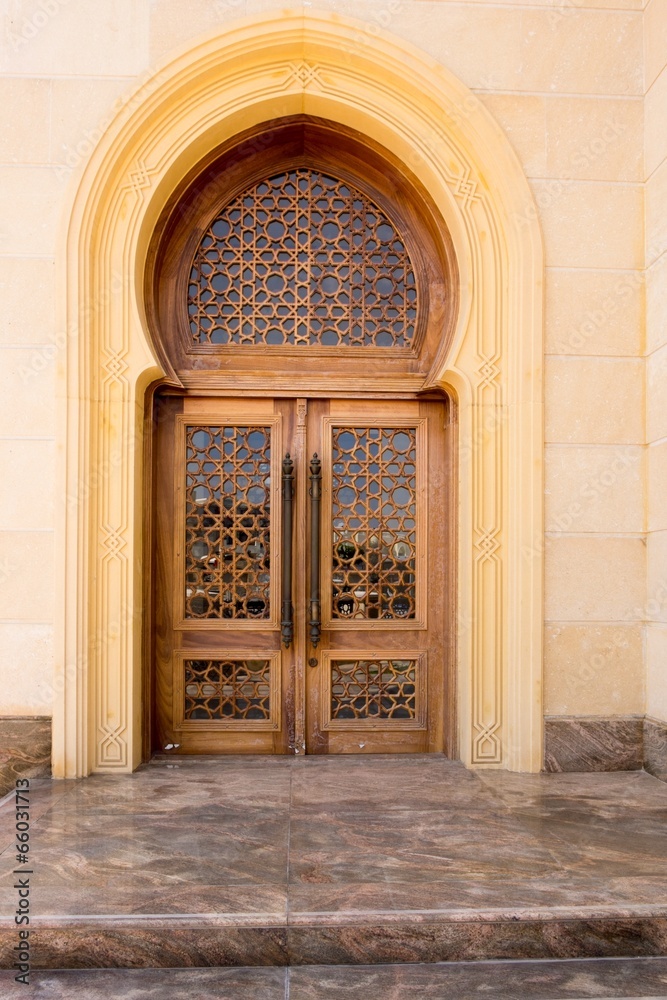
point(287, 617)
point(315, 495)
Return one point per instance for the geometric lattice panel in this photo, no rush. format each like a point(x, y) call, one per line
point(374, 533)
point(227, 689)
point(227, 522)
point(373, 689)
point(302, 259)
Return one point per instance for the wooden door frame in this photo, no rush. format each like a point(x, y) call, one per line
point(151, 479)
point(226, 82)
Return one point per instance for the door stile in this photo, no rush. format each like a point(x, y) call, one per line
point(317, 741)
point(165, 641)
point(439, 559)
point(288, 655)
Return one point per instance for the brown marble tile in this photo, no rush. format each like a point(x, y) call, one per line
point(44, 793)
point(147, 944)
point(201, 846)
point(462, 940)
point(655, 748)
point(238, 904)
point(170, 787)
point(97, 876)
point(466, 867)
point(611, 795)
point(637, 846)
point(580, 744)
point(198, 942)
point(198, 763)
point(197, 821)
point(609, 825)
point(459, 894)
point(412, 846)
point(151, 984)
point(544, 980)
point(387, 783)
point(25, 749)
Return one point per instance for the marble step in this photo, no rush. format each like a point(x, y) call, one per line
point(604, 979)
point(336, 861)
point(339, 938)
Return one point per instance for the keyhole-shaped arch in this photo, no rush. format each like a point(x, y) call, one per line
point(225, 84)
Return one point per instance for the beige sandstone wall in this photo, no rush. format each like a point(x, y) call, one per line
point(566, 82)
point(656, 354)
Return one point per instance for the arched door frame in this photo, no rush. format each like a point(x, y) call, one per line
point(261, 69)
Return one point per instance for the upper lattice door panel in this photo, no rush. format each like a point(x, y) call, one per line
point(302, 259)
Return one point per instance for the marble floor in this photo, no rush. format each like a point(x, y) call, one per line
point(604, 979)
point(337, 861)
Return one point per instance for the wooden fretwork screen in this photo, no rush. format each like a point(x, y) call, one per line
point(302, 259)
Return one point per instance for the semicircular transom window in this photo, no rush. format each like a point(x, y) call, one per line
point(302, 258)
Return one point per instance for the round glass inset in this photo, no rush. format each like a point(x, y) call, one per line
point(346, 550)
point(346, 441)
point(255, 606)
point(345, 605)
point(330, 284)
point(346, 496)
point(401, 496)
point(401, 551)
point(199, 549)
point(255, 549)
point(201, 440)
point(257, 440)
point(400, 607)
point(201, 494)
point(401, 442)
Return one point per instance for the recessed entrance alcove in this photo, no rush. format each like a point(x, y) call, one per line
point(301, 568)
point(444, 596)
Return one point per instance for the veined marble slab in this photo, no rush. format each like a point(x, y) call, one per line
point(330, 861)
point(612, 979)
point(25, 749)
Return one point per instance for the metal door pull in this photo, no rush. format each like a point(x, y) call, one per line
point(315, 495)
point(287, 622)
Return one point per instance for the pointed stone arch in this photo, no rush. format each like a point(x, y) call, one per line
point(257, 70)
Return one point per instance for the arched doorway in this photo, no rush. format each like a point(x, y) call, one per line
point(227, 81)
point(300, 282)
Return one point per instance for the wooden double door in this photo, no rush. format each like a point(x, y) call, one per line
point(301, 568)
